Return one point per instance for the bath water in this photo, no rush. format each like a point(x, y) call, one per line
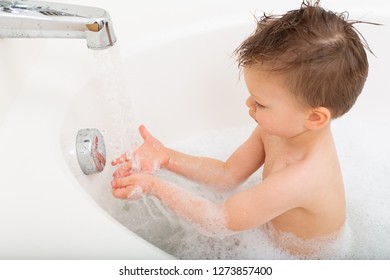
point(364, 157)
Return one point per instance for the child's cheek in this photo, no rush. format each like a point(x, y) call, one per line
point(261, 118)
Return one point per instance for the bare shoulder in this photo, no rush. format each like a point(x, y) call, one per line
point(316, 189)
point(252, 148)
point(257, 138)
point(308, 180)
point(318, 184)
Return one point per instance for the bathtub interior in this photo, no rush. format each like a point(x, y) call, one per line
point(178, 90)
point(187, 91)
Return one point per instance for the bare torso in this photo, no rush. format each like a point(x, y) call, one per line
point(323, 209)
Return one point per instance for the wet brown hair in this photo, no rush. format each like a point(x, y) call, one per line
point(320, 53)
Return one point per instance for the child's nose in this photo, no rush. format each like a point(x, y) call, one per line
point(249, 102)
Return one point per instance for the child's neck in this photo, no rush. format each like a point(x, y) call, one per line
point(308, 138)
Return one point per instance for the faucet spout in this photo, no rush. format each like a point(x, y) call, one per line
point(36, 19)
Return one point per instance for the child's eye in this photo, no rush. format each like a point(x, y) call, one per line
point(258, 105)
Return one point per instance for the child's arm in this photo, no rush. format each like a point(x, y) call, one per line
point(223, 174)
point(277, 194)
point(187, 205)
point(240, 165)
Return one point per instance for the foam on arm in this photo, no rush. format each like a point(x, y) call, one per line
point(196, 209)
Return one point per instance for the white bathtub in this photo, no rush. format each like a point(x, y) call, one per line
point(173, 68)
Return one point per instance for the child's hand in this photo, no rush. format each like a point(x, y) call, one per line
point(150, 156)
point(133, 186)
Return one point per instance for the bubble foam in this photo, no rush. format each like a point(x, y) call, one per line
point(364, 158)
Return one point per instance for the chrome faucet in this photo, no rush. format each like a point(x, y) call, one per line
point(36, 19)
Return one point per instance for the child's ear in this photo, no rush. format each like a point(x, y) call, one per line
point(318, 118)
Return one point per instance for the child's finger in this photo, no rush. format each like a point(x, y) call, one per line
point(119, 160)
point(121, 182)
point(124, 170)
point(144, 132)
point(121, 172)
point(122, 193)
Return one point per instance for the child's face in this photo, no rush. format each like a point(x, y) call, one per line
point(272, 105)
